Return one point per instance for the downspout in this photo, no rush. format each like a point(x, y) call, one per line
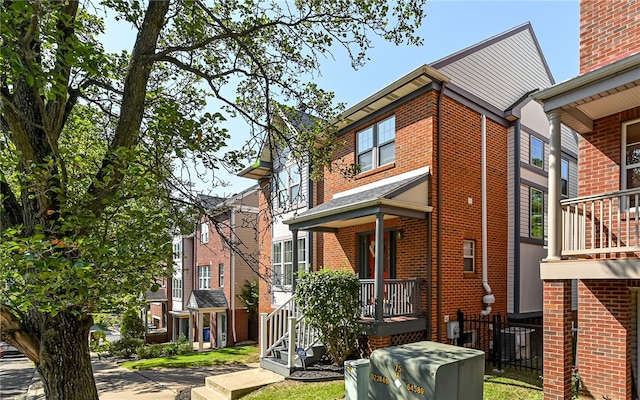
point(232, 261)
point(489, 298)
point(439, 217)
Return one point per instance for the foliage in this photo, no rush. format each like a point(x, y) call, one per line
point(150, 351)
point(105, 320)
point(225, 356)
point(576, 383)
point(125, 347)
point(330, 301)
point(98, 150)
point(251, 296)
point(132, 325)
point(95, 337)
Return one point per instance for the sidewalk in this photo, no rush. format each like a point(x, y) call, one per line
point(115, 382)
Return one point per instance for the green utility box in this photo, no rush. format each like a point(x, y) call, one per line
point(426, 371)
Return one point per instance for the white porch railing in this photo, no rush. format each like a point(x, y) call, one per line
point(401, 297)
point(601, 224)
point(285, 327)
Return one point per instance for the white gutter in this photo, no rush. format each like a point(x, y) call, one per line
point(233, 273)
point(489, 298)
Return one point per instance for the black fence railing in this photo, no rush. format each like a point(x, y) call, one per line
point(517, 344)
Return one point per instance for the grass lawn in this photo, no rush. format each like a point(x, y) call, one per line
point(510, 385)
point(229, 355)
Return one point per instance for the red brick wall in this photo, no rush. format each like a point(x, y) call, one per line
point(609, 31)
point(416, 148)
point(604, 337)
point(557, 340)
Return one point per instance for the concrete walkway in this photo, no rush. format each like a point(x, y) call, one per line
point(115, 382)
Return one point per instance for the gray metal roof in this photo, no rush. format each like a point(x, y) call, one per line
point(158, 295)
point(213, 299)
point(407, 197)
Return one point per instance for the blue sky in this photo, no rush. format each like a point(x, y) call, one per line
point(450, 26)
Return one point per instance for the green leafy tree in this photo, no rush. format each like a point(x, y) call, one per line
point(132, 325)
point(94, 145)
point(330, 301)
point(250, 294)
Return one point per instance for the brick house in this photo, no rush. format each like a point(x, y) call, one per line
point(224, 258)
point(596, 239)
point(447, 209)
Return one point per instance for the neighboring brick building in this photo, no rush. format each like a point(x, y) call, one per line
point(225, 258)
point(452, 180)
point(597, 239)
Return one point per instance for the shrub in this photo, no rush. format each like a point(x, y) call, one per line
point(125, 347)
point(94, 339)
point(330, 301)
point(185, 348)
point(150, 351)
point(132, 325)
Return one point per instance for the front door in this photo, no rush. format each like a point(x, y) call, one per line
point(222, 330)
point(366, 255)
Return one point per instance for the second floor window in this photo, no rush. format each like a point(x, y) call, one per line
point(564, 173)
point(204, 277)
point(536, 216)
point(177, 288)
point(469, 254)
point(537, 152)
point(376, 145)
point(204, 232)
point(286, 187)
point(631, 169)
point(221, 275)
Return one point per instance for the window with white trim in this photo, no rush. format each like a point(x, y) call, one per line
point(221, 275)
point(287, 186)
point(204, 232)
point(469, 255)
point(376, 145)
point(536, 152)
point(564, 177)
point(204, 277)
point(176, 288)
point(536, 213)
point(631, 154)
point(177, 250)
point(282, 261)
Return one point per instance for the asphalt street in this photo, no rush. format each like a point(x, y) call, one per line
point(16, 373)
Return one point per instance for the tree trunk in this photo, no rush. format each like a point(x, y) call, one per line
point(65, 361)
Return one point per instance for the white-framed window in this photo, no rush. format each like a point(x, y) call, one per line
point(631, 154)
point(376, 145)
point(177, 250)
point(287, 186)
point(204, 277)
point(221, 275)
point(536, 213)
point(564, 177)
point(536, 152)
point(176, 288)
point(469, 256)
point(282, 261)
point(204, 232)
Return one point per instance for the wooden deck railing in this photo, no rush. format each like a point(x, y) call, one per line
point(602, 224)
point(401, 297)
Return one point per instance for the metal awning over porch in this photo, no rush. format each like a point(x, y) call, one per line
point(407, 197)
point(205, 301)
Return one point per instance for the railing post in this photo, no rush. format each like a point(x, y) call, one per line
point(497, 341)
point(263, 335)
point(292, 342)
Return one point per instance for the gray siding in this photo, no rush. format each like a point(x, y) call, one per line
point(530, 282)
point(524, 210)
point(502, 72)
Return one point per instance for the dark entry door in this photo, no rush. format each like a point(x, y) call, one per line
point(366, 255)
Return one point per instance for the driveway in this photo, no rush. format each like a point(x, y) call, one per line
point(15, 376)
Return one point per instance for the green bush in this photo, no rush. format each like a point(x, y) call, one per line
point(185, 348)
point(105, 321)
point(330, 301)
point(125, 347)
point(132, 325)
point(150, 351)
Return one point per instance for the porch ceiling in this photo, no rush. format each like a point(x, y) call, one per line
point(595, 94)
point(403, 198)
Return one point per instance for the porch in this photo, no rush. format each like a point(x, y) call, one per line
point(600, 238)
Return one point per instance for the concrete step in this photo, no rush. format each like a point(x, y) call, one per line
point(236, 384)
point(313, 356)
point(275, 365)
point(204, 393)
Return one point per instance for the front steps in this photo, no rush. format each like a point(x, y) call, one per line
point(234, 385)
point(278, 363)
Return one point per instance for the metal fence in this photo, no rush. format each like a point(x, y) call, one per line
point(516, 344)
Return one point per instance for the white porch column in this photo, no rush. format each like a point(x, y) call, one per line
point(554, 245)
point(200, 331)
point(379, 266)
